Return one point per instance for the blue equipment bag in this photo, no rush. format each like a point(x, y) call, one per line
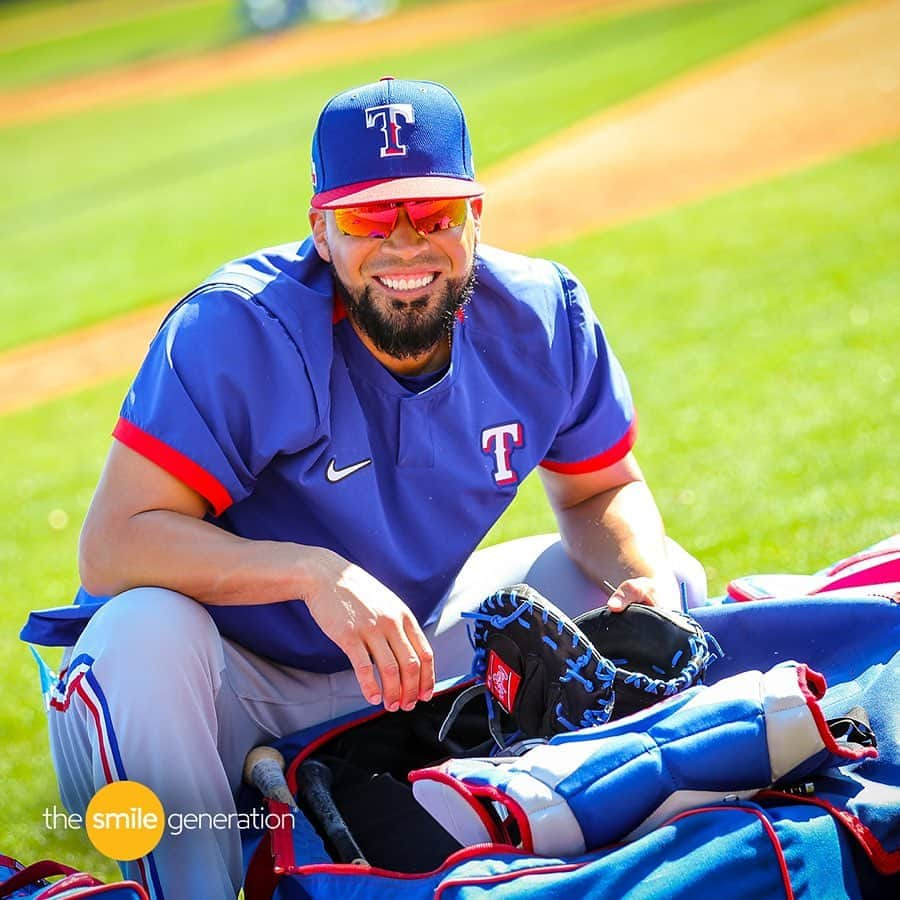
point(831, 828)
point(18, 882)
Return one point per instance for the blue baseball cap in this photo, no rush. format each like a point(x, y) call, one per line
point(389, 141)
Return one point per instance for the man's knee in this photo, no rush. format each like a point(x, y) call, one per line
point(542, 562)
point(150, 624)
point(690, 574)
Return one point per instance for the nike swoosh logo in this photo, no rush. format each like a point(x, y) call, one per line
point(335, 475)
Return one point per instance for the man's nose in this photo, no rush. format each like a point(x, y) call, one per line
point(404, 238)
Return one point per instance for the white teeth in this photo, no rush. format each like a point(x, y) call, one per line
point(406, 284)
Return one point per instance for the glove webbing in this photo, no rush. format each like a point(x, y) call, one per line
point(604, 673)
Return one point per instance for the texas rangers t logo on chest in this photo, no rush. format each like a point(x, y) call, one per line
point(387, 117)
point(499, 440)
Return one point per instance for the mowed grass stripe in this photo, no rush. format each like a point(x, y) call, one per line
point(286, 52)
point(27, 22)
point(716, 127)
point(58, 42)
point(153, 32)
point(146, 201)
point(759, 333)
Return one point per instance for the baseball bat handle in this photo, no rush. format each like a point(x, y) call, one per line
point(314, 787)
point(264, 770)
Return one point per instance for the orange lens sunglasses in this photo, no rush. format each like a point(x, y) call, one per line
point(378, 220)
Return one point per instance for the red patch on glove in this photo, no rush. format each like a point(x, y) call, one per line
point(502, 681)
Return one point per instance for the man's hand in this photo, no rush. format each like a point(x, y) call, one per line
point(145, 526)
point(611, 528)
point(660, 591)
point(376, 630)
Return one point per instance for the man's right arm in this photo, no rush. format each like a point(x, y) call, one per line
point(145, 527)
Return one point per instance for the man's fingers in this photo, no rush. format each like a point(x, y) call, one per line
point(388, 671)
point(390, 655)
point(403, 660)
point(410, 667)
point(364, 671)
point(621, 599)
point(629, 592)
point(426, 658)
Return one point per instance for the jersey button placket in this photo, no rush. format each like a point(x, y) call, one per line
point(415, 447)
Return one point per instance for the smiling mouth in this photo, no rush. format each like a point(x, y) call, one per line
point(406, 284)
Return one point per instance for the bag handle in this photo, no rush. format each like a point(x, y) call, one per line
point(260, 879)
point(30, 875)
point(853, 730)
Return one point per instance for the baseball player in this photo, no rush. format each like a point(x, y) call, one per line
point(318, 439)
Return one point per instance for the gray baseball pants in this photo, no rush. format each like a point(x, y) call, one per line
point(166, 701)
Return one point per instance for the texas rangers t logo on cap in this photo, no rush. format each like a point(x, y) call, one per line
point(386, 118)
point(422, 142)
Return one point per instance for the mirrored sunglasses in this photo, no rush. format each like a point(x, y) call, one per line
point(378, 220)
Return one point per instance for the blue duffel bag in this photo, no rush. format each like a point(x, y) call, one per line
point(18, 881)
point(830, 827)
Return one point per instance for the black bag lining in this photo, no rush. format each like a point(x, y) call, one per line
point(369, 765)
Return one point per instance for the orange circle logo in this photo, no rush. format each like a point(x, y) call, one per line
point(125, 820)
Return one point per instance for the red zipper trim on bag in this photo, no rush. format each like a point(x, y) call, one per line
point(885, 861)
point(474, 852)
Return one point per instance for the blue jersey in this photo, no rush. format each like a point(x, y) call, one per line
point(258, 394)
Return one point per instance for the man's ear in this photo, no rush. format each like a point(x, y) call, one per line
point(319, 227)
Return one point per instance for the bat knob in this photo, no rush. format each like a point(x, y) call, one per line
point(257, 755)
point(312, 769)
point(264, 770)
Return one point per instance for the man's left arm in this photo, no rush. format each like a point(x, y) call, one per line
point(612, 529)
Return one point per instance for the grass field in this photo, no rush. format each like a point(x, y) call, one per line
point(760, 332)
point(758, 328)
point(43, 42)
point(764, 370)
point(146, 200)
point(153, 32)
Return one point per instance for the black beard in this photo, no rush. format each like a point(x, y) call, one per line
point(406, 331)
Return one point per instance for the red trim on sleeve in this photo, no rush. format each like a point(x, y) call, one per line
point(175, 463)
point(602, 460)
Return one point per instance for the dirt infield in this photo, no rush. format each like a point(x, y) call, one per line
point(813, 92)
point(270, 56)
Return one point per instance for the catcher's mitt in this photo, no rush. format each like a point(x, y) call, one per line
point(656, 652)
point(550, 674)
